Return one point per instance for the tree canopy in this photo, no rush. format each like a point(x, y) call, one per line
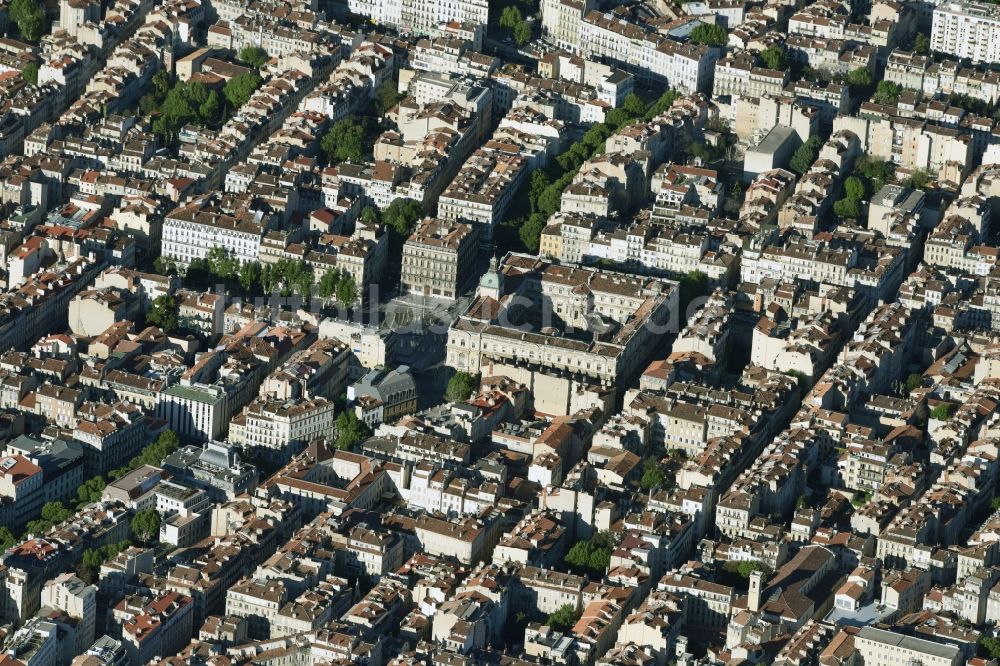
point(174, 106)
point(90, 491)
point(860, 77)
point(512, 20)
point(401, 217)
point(710, 34)
point(665, 101)
point(854, 188)
point(163, 313)
point(7, 538)
point(634, 105)
point(774, 57)
point(530, 231)
point(522, 33)
point(93, 558)
point(153, 454)
point(593, 556)
point(847, 208)
point(345, 141)
point(943, 411)
point(350, 430)
point(386, 97)
point(239, 89)
point(918, 179)
point(805, 155)
point(254, 56)
point(30, 73)
point(335, 284)
point(29, 17)
point(876, 171)
point(887, 92)
point(563, 618)
point(146, 525)
point(461, 386)
point(653, 474)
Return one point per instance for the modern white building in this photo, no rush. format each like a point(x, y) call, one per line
point(967, 30)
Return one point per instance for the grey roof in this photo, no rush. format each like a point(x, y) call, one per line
point(909, 643)
point(54, 456)
point(381, 384)
point(774, 140)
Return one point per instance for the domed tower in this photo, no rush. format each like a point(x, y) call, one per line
point(491, 284)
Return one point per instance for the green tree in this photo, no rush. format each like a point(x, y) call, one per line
point(510, 17)
point(665, 101)
point(197, 93)
point(7, 538)
point(539, 181)
point(239, 89)
point(847, 208)
point(854, 188)
point(90, 491)
point(249, 275)
point(522, 33)
point(693, 285)
point(942, 412)
point(164, 266)
point(921, 44)
point(347, 290)
point(774, 57)
point(154, 454)
point(710, 34)
point(652, 474)
point(530, 232)
point(550, 200)
point(702, 151)
point(350, 430)
point(30, 73)
point(345, 141)
point(161, 84)
point(805, 155)
point(386, 97)
point(593, 556)
point(461, 386)
point(990, 646)
point(859, 78)
point(634, 105)
point(93, 558)
point(563, 618)
point(223, 264)
point(253, 56)
point(617, 118)
point(328, 283)
point(29, 17)
point(744, 568)
point(163, 313)
point(877, 172)
point(918, 179)
point(146, 525)
point(55, 512)
point(401, 216)
point(595, 137)
point(887, 92)
point(175, 112)
point(208, 111)
point(913, 381)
